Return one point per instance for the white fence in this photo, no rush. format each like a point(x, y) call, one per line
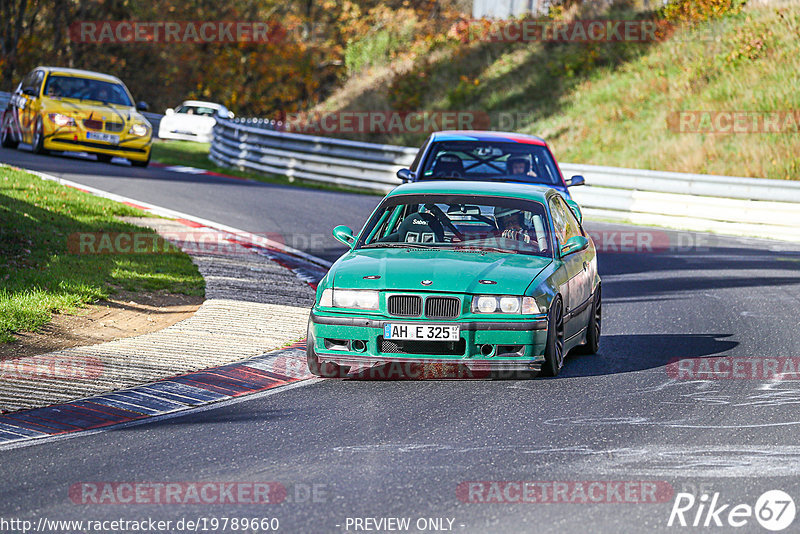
point(722, 204)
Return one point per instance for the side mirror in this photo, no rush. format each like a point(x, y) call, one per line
point(169, 111)
point(344, 234)
point(574, 244)
point(576, 181)
point(231, 115)
point(142, 106)
point(406, 175)
point(576, 210)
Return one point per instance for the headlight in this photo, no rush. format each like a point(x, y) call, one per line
point(484, 304)
point(61, 120)
point(504, 304)
point(509, 304)
point(349, 298)
point(138, 130)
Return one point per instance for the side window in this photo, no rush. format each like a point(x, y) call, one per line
point(559, 220)
point(573, 227)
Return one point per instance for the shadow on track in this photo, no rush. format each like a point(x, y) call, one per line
point(637, 352)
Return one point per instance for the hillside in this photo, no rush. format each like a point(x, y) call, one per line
point(617, 103)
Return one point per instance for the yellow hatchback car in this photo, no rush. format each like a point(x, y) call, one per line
point(80, 111)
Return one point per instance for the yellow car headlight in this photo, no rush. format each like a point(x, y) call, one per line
point(61, 120)
point(139, 130)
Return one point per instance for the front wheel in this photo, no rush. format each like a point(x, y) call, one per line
point(554, 350)
point(38, 137)
point(6, 135)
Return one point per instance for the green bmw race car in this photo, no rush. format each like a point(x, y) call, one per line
point(489, 276)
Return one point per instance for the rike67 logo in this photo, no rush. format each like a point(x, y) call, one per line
point(774, 510)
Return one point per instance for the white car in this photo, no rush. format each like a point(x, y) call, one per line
point(193, 120)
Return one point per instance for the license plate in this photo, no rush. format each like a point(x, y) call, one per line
point(107, 138)
point(421, 332)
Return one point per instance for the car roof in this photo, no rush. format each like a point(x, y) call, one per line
point(486, 135)
point(460, 187)
point(200, 103)
point(78, 73)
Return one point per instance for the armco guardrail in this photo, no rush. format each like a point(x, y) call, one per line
point(723, 204)
point(154, 118)
point(322, 159)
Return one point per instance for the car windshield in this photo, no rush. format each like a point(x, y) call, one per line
point(466, 223)
point(87, 89)
point(485, 160)
point(196, 110)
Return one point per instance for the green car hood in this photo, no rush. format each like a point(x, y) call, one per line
point(449, 271)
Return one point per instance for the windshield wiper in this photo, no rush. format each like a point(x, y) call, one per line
point(400, 245)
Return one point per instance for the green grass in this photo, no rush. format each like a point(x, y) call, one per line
point(38, 274)
point(193, 154)
point(608, 103)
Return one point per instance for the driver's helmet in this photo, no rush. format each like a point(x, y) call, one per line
point(54, 89)
point(516, 160)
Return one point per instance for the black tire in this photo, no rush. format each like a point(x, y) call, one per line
point(104, 158)
point(144, 163)
point(593, 329)
point(554, 351)
point(319, 368)
point(38, 137)
point(6, 135)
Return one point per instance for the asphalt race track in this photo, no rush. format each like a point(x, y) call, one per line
point(408, 449)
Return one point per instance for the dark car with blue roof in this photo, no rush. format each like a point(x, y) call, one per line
point(488, 156)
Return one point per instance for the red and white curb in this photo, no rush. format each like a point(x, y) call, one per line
point(172, 396)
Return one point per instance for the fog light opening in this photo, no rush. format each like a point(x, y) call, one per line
point(358, 345)
point(336, 344)
point(487, 350)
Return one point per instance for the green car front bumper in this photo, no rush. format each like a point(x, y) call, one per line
point(492, 345)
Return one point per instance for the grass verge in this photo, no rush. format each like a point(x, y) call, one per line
point(193, 154)
point(38, 274)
